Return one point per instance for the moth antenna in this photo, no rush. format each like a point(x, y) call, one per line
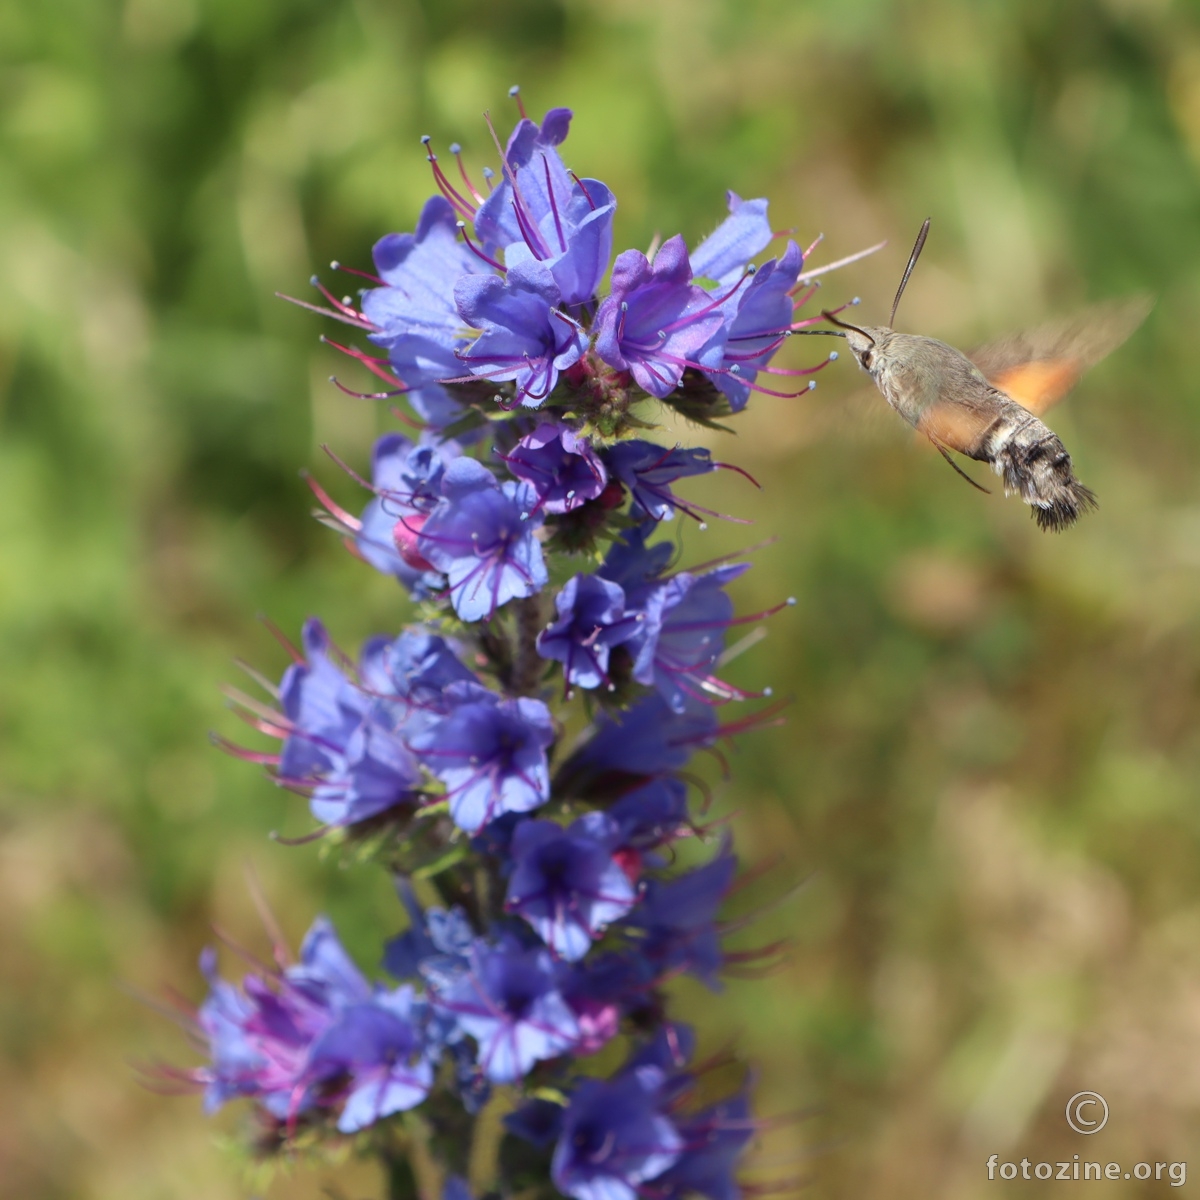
point(946, 455)
point(846, 325)
point(912, 262)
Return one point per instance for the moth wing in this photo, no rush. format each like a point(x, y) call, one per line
point(961, 424)
point(1039, 367)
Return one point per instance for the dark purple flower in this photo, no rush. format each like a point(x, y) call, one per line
point(646, 739)
point(562, 467)
point(632, 563)
point(760, 318)
point(481, 535)
point(414, 315)
point(723, 255)
point(682, 635)
point(510, 1004)
point(655, 321)
point(677, 920)
point(651, 814)
point(491, 755)
point(615, 1136)
point(566, 882)
point(715, 1140)
point(525, 337)
point(379, 1049)
point(538, 1122)
point(648, 470)
point(540, 211)
point(591, 620)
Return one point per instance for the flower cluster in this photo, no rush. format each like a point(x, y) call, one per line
point(547, 907)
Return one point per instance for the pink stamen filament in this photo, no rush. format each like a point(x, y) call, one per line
point(349, 391)
point(339, 305)
point(337, 266)
point(332, 507)
point(359, 322)
point(456, 150)
point(458, 201)
point(376, 365)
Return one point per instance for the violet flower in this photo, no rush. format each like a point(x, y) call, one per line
point(525, 337)
point(510, 1004)
point(655, 320)
point(540, 211)
point(490, 754)
point(566, 882)
point(561, 466)
point(481, 535)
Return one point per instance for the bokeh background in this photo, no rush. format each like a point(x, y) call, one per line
point(990, 775)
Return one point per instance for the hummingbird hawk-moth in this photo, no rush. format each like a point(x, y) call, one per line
point(988, 405)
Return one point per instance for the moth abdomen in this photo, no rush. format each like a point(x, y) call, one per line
point(1034, 464)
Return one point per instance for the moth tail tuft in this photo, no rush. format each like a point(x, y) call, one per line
point(1038, 468)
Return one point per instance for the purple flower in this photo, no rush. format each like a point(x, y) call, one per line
point(682, 635)
point(481, 536)
point(260, 1037)
point(491, 755)
point(377, 1046)
point(562, 467)
point(760, 317)
point(342, 747)
point(723, 255)
point(646, 739)
point(540, 211)
point(677, 920)
point(414, 314)
point(651, 814)
point(510, 1004)
point(591, 620)
point(566, 882)
point(656, 320)
point(407, 482)
point(525, 337)
point(418, 667)
point(648, 470)
point(615, 1136)
point(715, 1139)
point(633, 564)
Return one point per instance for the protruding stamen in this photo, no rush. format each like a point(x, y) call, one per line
point(805, 276)
point(330, 505)
point(586, 194)
point(562, 241)
point(458, 201)
point(377, 366)
point(337, 266)
point(456, 150)
point(341, 306)
point(488, 176)
point(515, 94)
point(348, 391)
point(491, 262)
point(357, 320)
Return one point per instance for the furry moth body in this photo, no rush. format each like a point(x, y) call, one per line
point(987, 406)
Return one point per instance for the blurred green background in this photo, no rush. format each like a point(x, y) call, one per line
point(990, 776)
